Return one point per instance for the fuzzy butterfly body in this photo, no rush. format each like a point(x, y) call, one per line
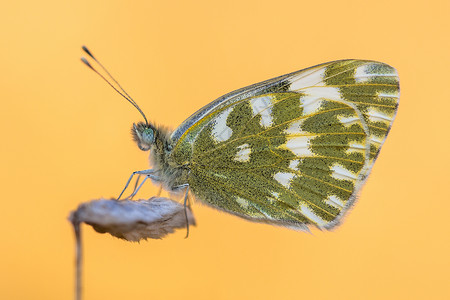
point(291, 151)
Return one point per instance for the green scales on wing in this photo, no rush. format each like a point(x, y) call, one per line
point(294, 150)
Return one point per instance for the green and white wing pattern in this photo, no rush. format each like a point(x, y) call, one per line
point(294, 150)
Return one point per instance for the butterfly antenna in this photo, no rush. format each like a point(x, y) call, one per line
point(123, 93)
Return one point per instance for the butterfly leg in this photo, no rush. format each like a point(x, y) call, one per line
point(186, 196)
point(185, 211)
point(159, 191)
point(136, 187)
point(148, 173)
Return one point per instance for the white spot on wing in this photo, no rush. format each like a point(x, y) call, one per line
point(312, 100)
point(299, 145)
point(295, 127)
point(243, 154)
point(388, 95)
point(262, 106)
point(334, 201)
point(326, 92)
point(242, 202)
point(308, 78)
point(294, 164)
point(361, 73)
point(308, 213)
point(221, 132)
point(348, 121)
point(355, 147)
point(310, 104)
point(341, 173)
point(376, 139)
point(284, 178)
point(378, 116)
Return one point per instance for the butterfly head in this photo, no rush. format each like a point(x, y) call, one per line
point(143, 135)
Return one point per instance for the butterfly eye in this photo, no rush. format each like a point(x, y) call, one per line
point(147, 135)
point(143, 135)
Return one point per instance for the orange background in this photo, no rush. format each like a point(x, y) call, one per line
point(65, 140)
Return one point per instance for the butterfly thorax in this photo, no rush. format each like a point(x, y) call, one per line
point(171, 175)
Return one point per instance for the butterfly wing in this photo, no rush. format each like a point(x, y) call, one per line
point(293, 150)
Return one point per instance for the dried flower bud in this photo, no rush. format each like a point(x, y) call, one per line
point(133, 220)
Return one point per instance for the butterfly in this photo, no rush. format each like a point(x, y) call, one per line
point(292, 151)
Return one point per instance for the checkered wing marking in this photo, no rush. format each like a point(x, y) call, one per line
point(296, 152)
